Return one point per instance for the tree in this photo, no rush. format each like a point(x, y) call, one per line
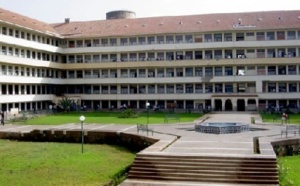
point(65, 103)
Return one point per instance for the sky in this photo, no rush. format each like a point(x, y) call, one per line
point(55, 11)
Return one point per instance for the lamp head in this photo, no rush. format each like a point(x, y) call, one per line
point(81, 118)
point(147, 104)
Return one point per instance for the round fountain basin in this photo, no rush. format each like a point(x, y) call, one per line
point(222, 127)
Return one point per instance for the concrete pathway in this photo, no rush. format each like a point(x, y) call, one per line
point(182, 139)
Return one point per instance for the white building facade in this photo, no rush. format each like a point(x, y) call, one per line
point(228, 62)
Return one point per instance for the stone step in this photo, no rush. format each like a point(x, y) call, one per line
point(215, 179)
point(252, 170)
point(134, 182)
point(189, 160)
point(226, 171)
point(203, 157)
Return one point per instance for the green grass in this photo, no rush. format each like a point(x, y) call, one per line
point(289, 170)
point(108, 118)
point(34, 164)
point(293, 118)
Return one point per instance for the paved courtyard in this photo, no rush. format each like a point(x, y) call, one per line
point(189, 142)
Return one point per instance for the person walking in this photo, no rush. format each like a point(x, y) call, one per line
point(284, 118)
point(2, 118)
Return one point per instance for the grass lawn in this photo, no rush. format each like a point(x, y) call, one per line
point(108, 118)
point(27, 163)
point(290, 170)
point(294, 118)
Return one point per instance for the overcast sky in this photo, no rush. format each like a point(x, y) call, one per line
point(53, 11)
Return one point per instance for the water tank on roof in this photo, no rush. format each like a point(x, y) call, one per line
point(120, 14)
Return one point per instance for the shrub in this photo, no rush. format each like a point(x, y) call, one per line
point(128, 113)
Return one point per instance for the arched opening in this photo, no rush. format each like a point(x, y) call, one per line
point(240, 105)
point(228, 105)
point(251, 105)
point(218, 105)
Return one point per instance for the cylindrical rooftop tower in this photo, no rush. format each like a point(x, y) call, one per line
point(120, 14)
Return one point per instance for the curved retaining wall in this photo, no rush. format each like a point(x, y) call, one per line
point(131, 141)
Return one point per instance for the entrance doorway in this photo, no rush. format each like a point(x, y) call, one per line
point(228, 105)
point(240, 105)
point(218, 105)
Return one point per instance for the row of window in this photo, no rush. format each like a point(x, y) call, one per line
point(281, 87)
point(161, 88)
point(30, 72)
point(186, 55)
point(155, 56)
point(152, 72)
point(30, 54)
point(187, 38)
point(28, 36)
point(8, 89)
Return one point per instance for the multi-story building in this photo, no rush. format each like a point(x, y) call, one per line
point(228, 61)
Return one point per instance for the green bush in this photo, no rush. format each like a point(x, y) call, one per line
point(128, 113)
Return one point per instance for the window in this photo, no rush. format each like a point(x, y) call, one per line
point(280, 35)
point(179, 89)
point(113, 42)
point(208, 71)
point(208, 37)
point(228, 71)
point(292, 70)
point(198, 38)
point(160, 39)
point(170, 39)
point(218, 37)
point(96, 42)
point(218, 71)
point(151, 40)
point(218, 54)
point(132, 41)
point(291, 35)
point(271, 87)
point(260, 53)
point(124, 41)
point(141, 40)
point(229, 88)
point(228, 36)
point(189, 39)
point(281, 70)
point(260, 36)
point(282, 87)
point(218, 88)
point(208, 88)
point(199, 88)
point(189, 72)
point(271, 70)
point(189, 89)
point(170, 89)
point(179, 39)
point(198, 71)
point(292, 87)
point(4, 30)
point(104, 42)
point(240, 36)
point(270, 36)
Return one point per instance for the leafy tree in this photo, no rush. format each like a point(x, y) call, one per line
point(65, 103)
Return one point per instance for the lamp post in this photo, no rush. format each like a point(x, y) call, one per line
point(82, 118)
point(147, 106)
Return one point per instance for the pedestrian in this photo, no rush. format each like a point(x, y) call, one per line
point(2, 118)
point(284, 118)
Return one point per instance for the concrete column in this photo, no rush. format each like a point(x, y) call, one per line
point(213, 104)
point(259, 86)
point(223, 103)
point(246, 104)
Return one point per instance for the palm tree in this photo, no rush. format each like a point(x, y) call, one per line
point(65, 103)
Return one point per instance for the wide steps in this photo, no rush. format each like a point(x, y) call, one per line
point(246, 170)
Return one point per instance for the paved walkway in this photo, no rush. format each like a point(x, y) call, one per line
point(190, 141)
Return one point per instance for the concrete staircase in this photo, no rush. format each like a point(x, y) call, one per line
point(202, 169)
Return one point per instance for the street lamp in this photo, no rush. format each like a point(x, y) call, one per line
point(82, 118)
point(147, 106)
